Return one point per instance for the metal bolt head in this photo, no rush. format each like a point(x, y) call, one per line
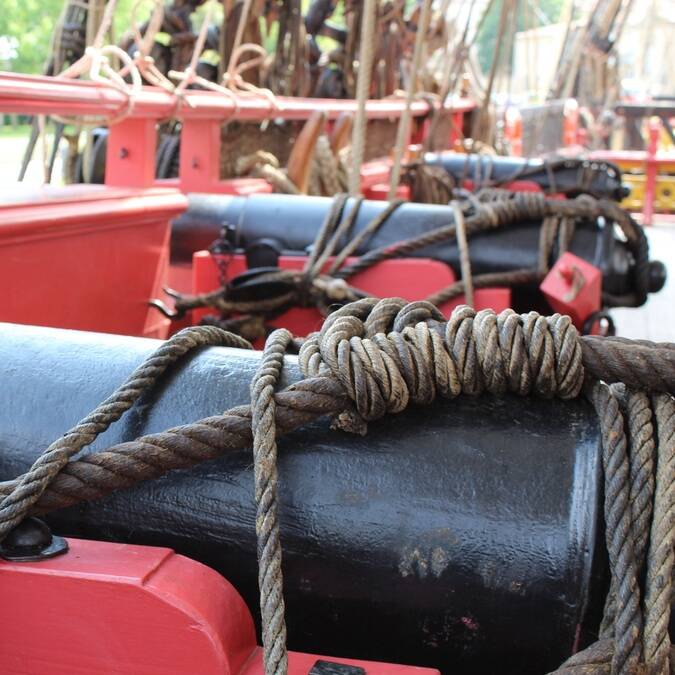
point(31, 541)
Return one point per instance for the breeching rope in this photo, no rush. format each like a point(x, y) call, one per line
point(321, 285)
point(376, 357)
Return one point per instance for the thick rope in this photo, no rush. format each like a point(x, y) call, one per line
point(366, 55)
point(428, 184)
point(657, 649)
point(422, 357)
point(311, 287)
point(627, 624)
point(403, 130)
point(263, 423)
point(328, 174)
point(261, 164)
point(637, 411)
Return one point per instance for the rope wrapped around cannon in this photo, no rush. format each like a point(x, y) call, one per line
point(376, 357)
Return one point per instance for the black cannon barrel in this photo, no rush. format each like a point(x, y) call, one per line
point(293, 223)
point(460, 535)
point(567, 175)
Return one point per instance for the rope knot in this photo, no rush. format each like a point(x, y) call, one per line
point(388, 353)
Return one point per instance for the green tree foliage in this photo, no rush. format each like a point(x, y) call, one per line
point(539, 13)
point(31, 22)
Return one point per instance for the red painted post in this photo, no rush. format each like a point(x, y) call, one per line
point(651, 168)
point(456, 128)
point(570, 135)
point(513, 130)
point(130, 159)
point(200, 143)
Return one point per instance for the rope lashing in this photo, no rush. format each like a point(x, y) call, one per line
point(527, 352)
point(464, 256)
point(261, 164)
point(428, 184)
point(96, 64)
point(372, 358)
point(318, 284)
point(328, 176)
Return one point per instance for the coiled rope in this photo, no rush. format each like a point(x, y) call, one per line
point(328, 172)
point(373, 358)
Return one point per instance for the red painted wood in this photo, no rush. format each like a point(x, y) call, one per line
point(380, 192)
point(651, 170)
point(112, 608)
point(574, 287)
point(131, 152)
point(410, 278)
point(375, 172)
point(34, 94)
point(301, 664)
point(86, 257)
point(200, 155)
point(115, 609)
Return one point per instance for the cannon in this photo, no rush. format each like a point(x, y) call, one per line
point(465, 536)
point(569, 176)
point(284, 224)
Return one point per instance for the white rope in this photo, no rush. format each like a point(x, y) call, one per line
point(366, 53)
point(403, 131)
point(189, 75)
point(96, 64)
point(144, 62)
point(239, 36)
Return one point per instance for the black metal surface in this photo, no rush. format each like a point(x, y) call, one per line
point(568, 176)
point(459, 535)
point(32, 541)
point(322, 667)
point(294, 221)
